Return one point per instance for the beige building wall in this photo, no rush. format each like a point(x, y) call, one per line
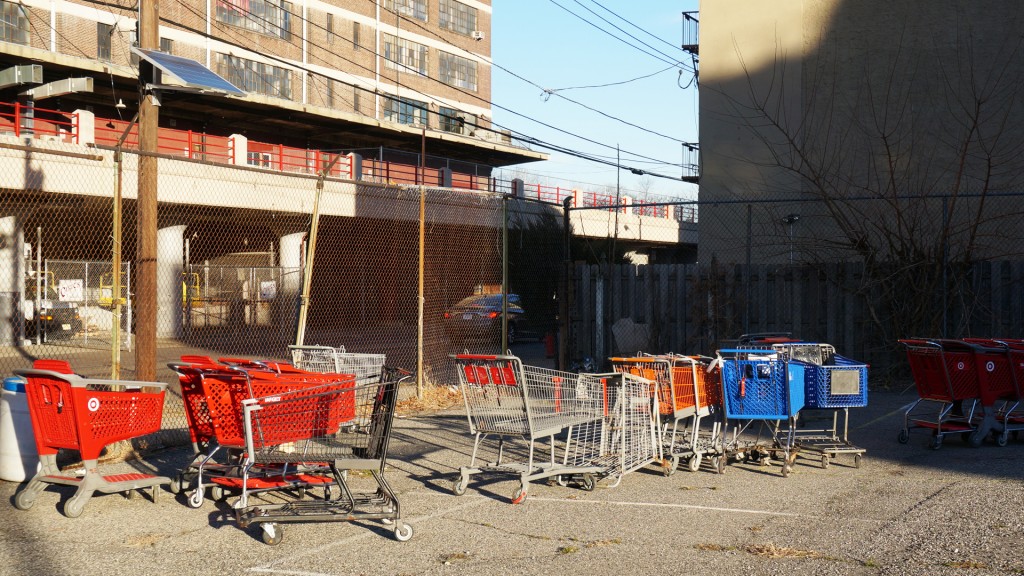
point(831, 103)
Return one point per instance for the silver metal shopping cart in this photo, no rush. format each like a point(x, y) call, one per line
point(366, 367)
point(343, 426)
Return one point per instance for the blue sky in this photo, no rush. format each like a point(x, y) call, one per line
point(548, 45)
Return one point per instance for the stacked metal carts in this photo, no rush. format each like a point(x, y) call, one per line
point(289, 433)
point(954, 377)
point(72, 412)
point(688, 392)
point(364, 366)
point(832, 384)
point(596, 425)
point(759, 387)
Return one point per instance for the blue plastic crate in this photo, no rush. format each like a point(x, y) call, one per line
point(758, 385)
point(841, 384)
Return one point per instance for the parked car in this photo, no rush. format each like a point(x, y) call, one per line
point(480, 315)
point(54, 320)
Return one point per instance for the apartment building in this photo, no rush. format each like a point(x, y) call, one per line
point(335, 74)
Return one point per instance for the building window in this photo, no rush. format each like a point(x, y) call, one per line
point(15, 23)
point(413, 8)
point(457, 71)
point(355, 35)
point(271, 17)
point(329, 94)
point(457, 17)
point(355, 99)
point(167, 45)
point(405, 55)
point(103, 41)
point(257, 77)
point(405, 111)
point(330, 28)
point(452, 120)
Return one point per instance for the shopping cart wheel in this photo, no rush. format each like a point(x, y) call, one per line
point(856, 460)
point(904, 436)
point(519, 497)
point(176, 483)
point(217, 492)
point(1002, 439)
point(718, 463)
point(459, 486)
point(975, 439)
point(588, 482)
point(935, 443)
point(694, 464)
point(195, 499)
point(561, 481)
point(403, 532)
point(75, 505)
point(669, 467)
point(825, 461)
point(787, 469)
point(272, 534)
point(25, 499)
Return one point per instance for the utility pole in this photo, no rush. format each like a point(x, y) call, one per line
point(149, 116)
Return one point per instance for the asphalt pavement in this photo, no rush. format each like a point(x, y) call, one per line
point(907, 509)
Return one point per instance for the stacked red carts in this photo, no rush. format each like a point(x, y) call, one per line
point(345, 426)
point(832, 384)
point(758, 387)
point(1000, 365)
point(86, 414)
point(507, 401)
point(365, 367)
point(687, 393)
point(946, 379)
point(211, 458)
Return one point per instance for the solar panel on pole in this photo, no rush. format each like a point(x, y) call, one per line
point(191, 73)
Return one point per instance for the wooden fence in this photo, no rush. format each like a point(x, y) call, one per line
point(697, 309)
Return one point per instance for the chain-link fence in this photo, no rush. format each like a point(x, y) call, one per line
point(233, 248)
point(928, 268)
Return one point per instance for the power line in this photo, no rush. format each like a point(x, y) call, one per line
point(640, 28)
point(523, 137)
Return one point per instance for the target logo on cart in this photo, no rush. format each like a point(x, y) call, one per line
point(959, 365)
point(93, 404)
point(990, 366)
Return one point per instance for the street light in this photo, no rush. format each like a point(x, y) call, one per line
point(791, 219)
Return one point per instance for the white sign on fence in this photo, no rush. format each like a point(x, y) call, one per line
point(71, 291)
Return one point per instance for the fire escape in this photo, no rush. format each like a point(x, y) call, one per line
point(691, 45)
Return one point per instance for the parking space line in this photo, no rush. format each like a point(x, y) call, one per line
point(692, 507)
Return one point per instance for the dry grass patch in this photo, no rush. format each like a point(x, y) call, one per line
point(434, 398)
point(772, 551)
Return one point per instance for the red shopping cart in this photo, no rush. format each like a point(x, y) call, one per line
point(86, 414)
point(947, 387)
point(224, 389)
point(344, 425)
point(997, 363)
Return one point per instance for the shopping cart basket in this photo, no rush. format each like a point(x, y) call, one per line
point(86, 414)
point(686, 393)
point(999, 367)
point(832, 385)
point(346, 427)
point(507, 400)
point(366, 367)
point(758, 386)
point(225, 388)
point(947, 382)
point(626, 438)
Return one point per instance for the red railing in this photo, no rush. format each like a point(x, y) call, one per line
point(222, 149)
point(24, 121)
